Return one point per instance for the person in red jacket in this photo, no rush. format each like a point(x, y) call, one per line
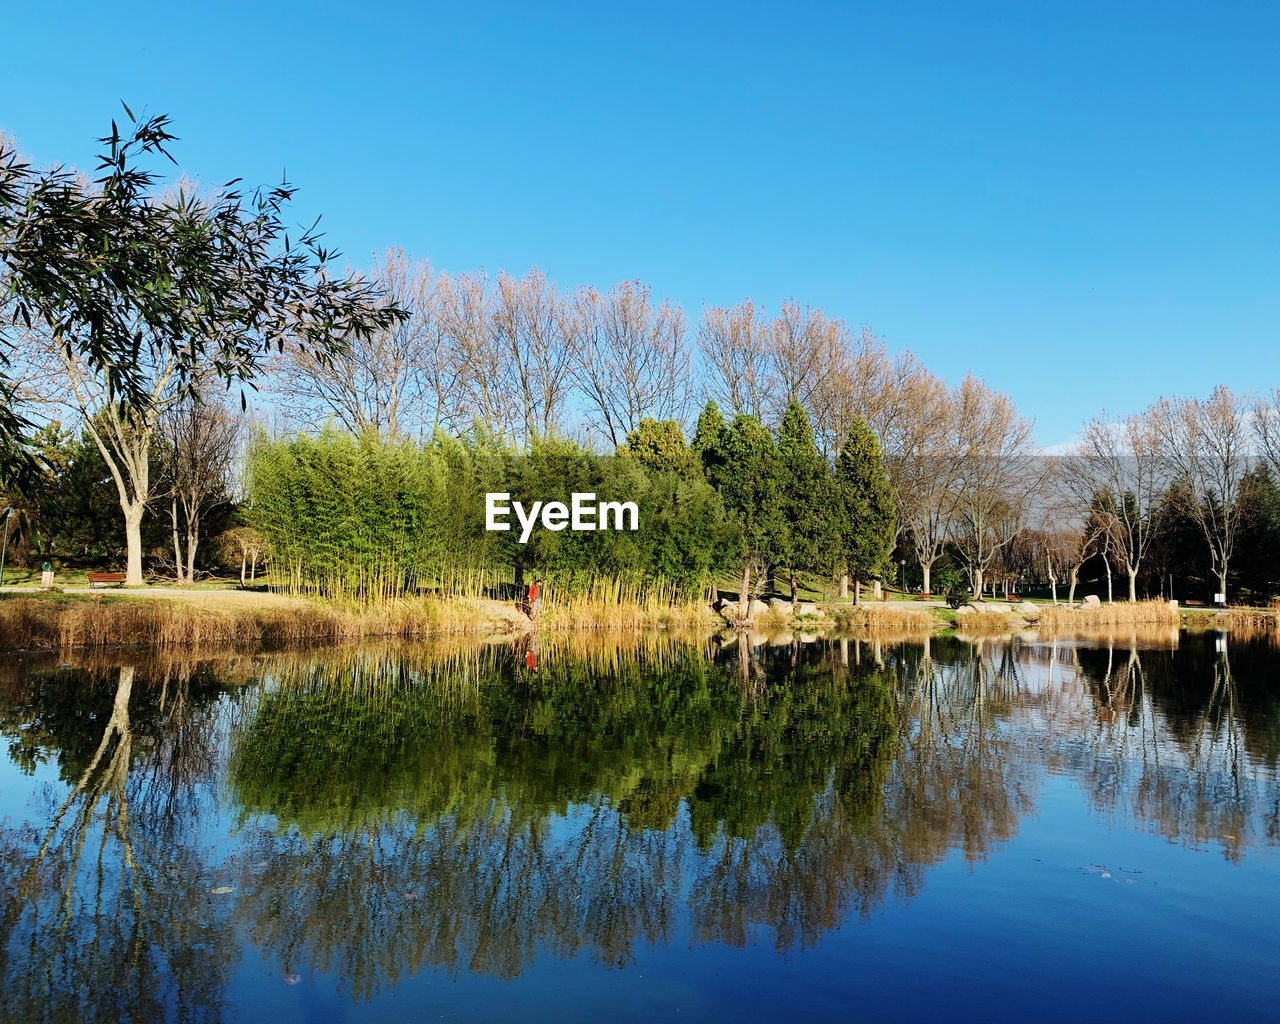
point(535, 600)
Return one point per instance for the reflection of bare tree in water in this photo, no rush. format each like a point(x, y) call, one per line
point(481, 892)
point(1175, 763)
point(965, 776)
point(98, 921)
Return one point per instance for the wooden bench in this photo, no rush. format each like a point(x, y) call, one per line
point(102, 579)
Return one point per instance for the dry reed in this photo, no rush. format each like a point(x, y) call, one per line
point(29, 624)
point(1138, 613)
point(33, 624)
point(878, 617)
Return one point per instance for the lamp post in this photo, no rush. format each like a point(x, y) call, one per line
point(4, 548)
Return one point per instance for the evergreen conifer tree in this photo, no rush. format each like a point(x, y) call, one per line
point(865, 503)
point(804, 493)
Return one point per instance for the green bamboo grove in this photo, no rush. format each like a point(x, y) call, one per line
point(373, 519)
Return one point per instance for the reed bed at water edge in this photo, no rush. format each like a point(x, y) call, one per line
point(1137, 613)
point(878, 617)
point(611, 605)
point(29, 624)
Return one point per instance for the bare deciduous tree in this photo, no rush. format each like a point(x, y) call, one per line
point(200, 436)
point(633, 360)
point(1118, 466)
point(539, 340)
point(737, 350)
point(998, 476)
point(1206, 445)
point(1266, 422)
point(923, 461)
point(397, 381)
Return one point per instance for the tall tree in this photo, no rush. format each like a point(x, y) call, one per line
point(998, 476)
point(749, 482)
point(736, 347)
point(143, 293)
point(399, 380)
point(199, 436)
point(538, 338)
point(1207, 446)
point(924, 467)
point(804, 494)
point(633, 361)
point(864, 498)
point(1121, 460)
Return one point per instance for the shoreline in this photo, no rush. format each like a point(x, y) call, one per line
point(31, 621)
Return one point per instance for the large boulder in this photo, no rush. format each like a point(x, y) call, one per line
point(807, 608)
point(1028, 610)
point(780, 606)
point(755, 609)
point(1091, 601)
point(965, 609)
point(1173, 606)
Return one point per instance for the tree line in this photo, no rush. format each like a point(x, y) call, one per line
point(826, 454)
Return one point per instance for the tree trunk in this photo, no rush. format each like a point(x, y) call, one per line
point(844, 585)
point(926, 569)
point(1110, 597)
point(243, 559)
point(253, 570)
point(1053, 580)
point(193, 539)
point(1222, 584)
point(133, 543)
point(795, 587)
point(1133, 584)
point(1071, 590)
point(177, 547)
point(977, 583)
point(744, 595)
point(857, 591)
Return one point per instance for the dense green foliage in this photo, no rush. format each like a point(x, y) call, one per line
point(647, 732)
point(367, 517)
point(70, 515)
point(865, 503)
point(806, 497)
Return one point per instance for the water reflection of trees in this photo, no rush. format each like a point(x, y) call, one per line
point(98, 909)
point(1184, 740)
point(448, 808)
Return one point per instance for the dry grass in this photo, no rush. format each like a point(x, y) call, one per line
point(31, 624)
point(989, 622)
point(1139, 613)
point(608, 607)
point(880, 618)
point(272, 620)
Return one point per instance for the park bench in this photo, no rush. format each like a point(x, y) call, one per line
point(101, 579)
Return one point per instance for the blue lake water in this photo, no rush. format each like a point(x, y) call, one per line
point(729, 830)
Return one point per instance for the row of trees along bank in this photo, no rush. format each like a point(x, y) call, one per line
point(504, 366)
point(367, 516)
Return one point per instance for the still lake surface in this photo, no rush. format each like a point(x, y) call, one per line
point(832, 830)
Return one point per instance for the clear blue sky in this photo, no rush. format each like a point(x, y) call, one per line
point(1077, 201)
